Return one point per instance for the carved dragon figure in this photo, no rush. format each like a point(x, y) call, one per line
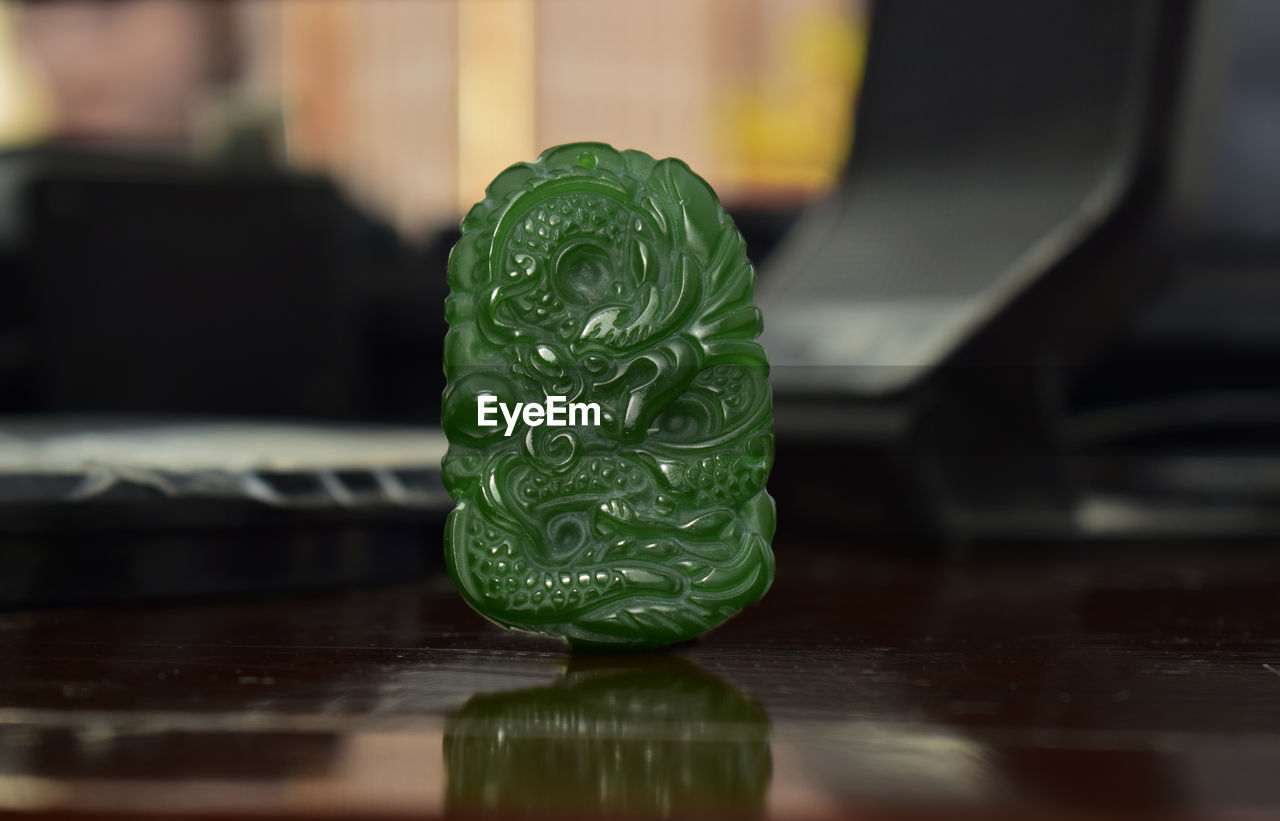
point(613, 278)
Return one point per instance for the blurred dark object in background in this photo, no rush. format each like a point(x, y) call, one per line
point(151, 285)
point(1003, 280)
point(163, 287)
point(152, 302)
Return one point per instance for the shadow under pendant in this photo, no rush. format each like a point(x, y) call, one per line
point(608, 408)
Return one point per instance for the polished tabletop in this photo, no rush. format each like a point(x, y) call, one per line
point(1072, 681)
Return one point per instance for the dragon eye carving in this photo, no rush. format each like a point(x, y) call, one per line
point(584, 274)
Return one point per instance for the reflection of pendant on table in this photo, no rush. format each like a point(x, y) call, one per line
point(637, 735)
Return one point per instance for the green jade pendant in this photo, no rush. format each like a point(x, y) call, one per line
point(608, 408)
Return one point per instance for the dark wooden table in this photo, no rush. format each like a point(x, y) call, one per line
point(1089, 681)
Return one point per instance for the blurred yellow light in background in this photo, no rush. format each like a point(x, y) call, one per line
point(794, 130)
point(497, 94)
point(24, 108)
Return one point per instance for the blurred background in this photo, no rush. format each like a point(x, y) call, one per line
point(1029, 296)
point(224, 229)
point(1018, 266)
point(414, 107)
point(381, 122)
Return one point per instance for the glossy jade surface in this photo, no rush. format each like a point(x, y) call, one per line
point(616, 281)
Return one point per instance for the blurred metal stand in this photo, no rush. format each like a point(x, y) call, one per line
point(1005, 216)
